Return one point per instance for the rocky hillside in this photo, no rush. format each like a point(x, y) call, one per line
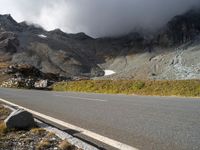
point(171, 53)
point(51, 52)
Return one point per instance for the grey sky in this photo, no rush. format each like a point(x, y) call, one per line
point(96, 17)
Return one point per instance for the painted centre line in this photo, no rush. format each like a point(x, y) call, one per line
point(74, 97)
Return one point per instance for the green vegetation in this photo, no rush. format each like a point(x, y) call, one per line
point(188, 88)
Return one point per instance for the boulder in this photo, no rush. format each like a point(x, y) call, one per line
point(41, 84)
point(20, 119)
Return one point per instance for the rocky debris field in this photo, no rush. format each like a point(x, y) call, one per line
point(177, 63)
point(27, 76)
point(31, 139)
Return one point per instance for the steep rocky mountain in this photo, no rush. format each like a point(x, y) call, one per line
point(171, 53)
point(181, 29)
point(52, 52)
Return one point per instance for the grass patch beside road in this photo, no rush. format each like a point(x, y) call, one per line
point(188, 88)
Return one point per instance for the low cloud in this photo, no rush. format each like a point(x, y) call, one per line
point(97, 17)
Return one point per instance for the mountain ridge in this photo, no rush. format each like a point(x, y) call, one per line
point(81, 55)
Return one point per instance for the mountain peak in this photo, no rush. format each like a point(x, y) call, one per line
point(7, 17)
point(80, 36)
point(8, 23)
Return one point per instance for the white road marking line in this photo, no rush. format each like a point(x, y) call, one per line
point(103, 139)
point(63, 135)
point(89, 99)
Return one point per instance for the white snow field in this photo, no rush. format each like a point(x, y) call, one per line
point(42, 36)
point(109, 72)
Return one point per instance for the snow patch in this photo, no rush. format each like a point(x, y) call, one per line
point(42, 36)
point(109, 72)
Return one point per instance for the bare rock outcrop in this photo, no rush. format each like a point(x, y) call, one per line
point(27, 76)
point(20, 119)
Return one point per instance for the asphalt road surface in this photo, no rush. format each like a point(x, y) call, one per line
point(147, 123)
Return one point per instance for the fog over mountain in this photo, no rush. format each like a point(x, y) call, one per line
point(96, 17)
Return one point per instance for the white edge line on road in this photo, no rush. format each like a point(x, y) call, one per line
point(61, 134)
point(90, 99)
point(93, 135)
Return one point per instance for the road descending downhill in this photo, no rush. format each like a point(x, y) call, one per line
point(147, 123)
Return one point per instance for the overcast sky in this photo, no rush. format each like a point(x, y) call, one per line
point(96, 17)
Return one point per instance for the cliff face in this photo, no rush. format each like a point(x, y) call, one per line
point(132, 56)
point(181, 29)
point(171, 53)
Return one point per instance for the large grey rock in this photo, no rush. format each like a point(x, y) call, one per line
point(20, 119)
point(41, 84)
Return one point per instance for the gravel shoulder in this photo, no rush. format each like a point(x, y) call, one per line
point(33, 139)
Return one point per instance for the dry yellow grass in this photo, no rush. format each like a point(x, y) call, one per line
point(51, 134)
point(3, 65)
point(3, 77)
point(44, 144)
point(38, 131)
point(65, 145)
point(188, 88)
point(4, 111)
point(3, 129)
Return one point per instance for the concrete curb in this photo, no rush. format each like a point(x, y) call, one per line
point(103, 139)
point(63, 135)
